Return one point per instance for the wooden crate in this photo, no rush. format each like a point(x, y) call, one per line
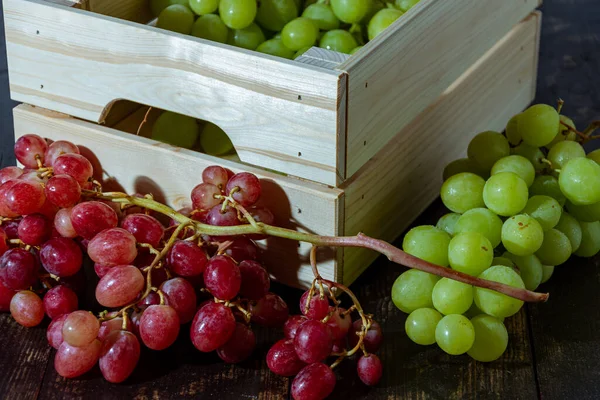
point(320, 118)
point(381, 199)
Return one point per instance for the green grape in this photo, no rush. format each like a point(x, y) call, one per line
point(210, 27)
point(177, 18)
point(298, 33)
point(428, 243)
point(563, 152)
point(538, 125)
point(354, 50)
point(248, 38)
point(322, 15)
point(462, 192)
point(570, 227)
point(589, 213)
point(491, 338)
point(579, 180)
point(374, 7)
point(533, 154)
point(505, 194)
point(447, 223)
point(214, 141)
point(381, 20)
point(517, 164)
point(237, 14)
point(275, 47)
point(529, 267)
point(412, 290)
point(470, 252)
point(176, 129)
point(455, 334)
point(556, 248)
point(488, 147)
point(301, 51)
point(503, 261)
point(547, 271)
point(203, 7)
point(544, 209)
point(157, 6)
point(350, 11)
point(522, 235)
point(473, 311)
point(547, 185)
point(405, 5)
point(338, 40)
point(494, 303)
point(483, 221)
point(452, 297)
point(512, 131)
point(590, 239)
point(274, 14)
point(564, 133)
point(595, 156)
point(420, 325)
point(464, 165)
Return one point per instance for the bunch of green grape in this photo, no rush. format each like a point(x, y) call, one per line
point(522, 203)
point(284, 28)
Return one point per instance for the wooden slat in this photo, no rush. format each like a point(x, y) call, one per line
point(322, 58)
point(404, 69)
point(280, 114)
point(401, 180)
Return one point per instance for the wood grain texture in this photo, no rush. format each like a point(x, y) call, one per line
point(403, 70)
point(322, 58)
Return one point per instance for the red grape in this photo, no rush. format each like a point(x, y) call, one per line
point(119, 356)
point(313, 341)
point(48, 210)
point(80, 328)
point(3, 242)
point(27, 147)
point(314, 382)
point(255, 280)
point(120, 286)
point(71, 361)
point(114, 246)
point(18, 269)
point(6, 296)
point(203, 196)
point(57, 149)
point(62, 223)
point(159, 327)
point(11, 228)
point(270, 311)
point(63, 191)
point(187, 259)
point(25, 197)
point(34, 229)
point(8, 173)
point(283, 360)
point(60, 300)
point(144, 228)
point(92, 217)
point(5, 211)
point(144, 259)
point(180, 295)
point(318, 307)
point(212, 327)
point(215, 175)
point(32, 175)
point(372, 340)
point(76, 283)
point(222, 277)
point(339, 345)
point(54, 332)
point(261, 214)
point(292, 324)
point(111, 325)
point(101, 269)
point(75, 165)
point(242, 249)
point(152, 299)
point(338, 323)
point(27, 308)
point(239, 347)
point(369, 369)
point(248, 185)
point(217, 218)
point(61, 257)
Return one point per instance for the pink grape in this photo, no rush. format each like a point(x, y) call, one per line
point(101, 269)
point(249, 188)
point(159, 327)
point(32, 176)
point(27, 308)
point(54, 331)
point(144, 228)
point(239, 347)
point(215, 175)
point(48, 210)
point(317, 308)
point(292, 324)
point(34, 229)
point(6, 295)
point(71, 361)
point(203, 196)
point(119, 356)
point(212, 327)
point(63, 225)
point(180, 295)
point(60, 300)
point(373, 338)
point(270, 311)
point(3, 242)
point(9, 173)
point(25, 197)
point(255, 280)
point(120, 286)
point(63, 191)
point(242, 249)
point(18, 269)
point(261, 214)
point(339, 324)
point(27, 147)
point(114, 246)
point(369, 369)
point(111, 325)
point(92, 217)
point(74, 165)
point(313, 341)
point(61, 257)
point(152, 299)
point(80, 328)
point(57, 149)
point(5, 211)
point(222, 277)
point(187, 259)
point(314, 382)
point(283, 360)
point(217, 218)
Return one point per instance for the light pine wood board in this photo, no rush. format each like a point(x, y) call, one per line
point(280, 114)
point(404, 69)
point(394, 187)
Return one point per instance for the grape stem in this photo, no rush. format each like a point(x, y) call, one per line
point(393, 254)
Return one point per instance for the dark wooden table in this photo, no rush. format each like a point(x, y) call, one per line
point(554, 348)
